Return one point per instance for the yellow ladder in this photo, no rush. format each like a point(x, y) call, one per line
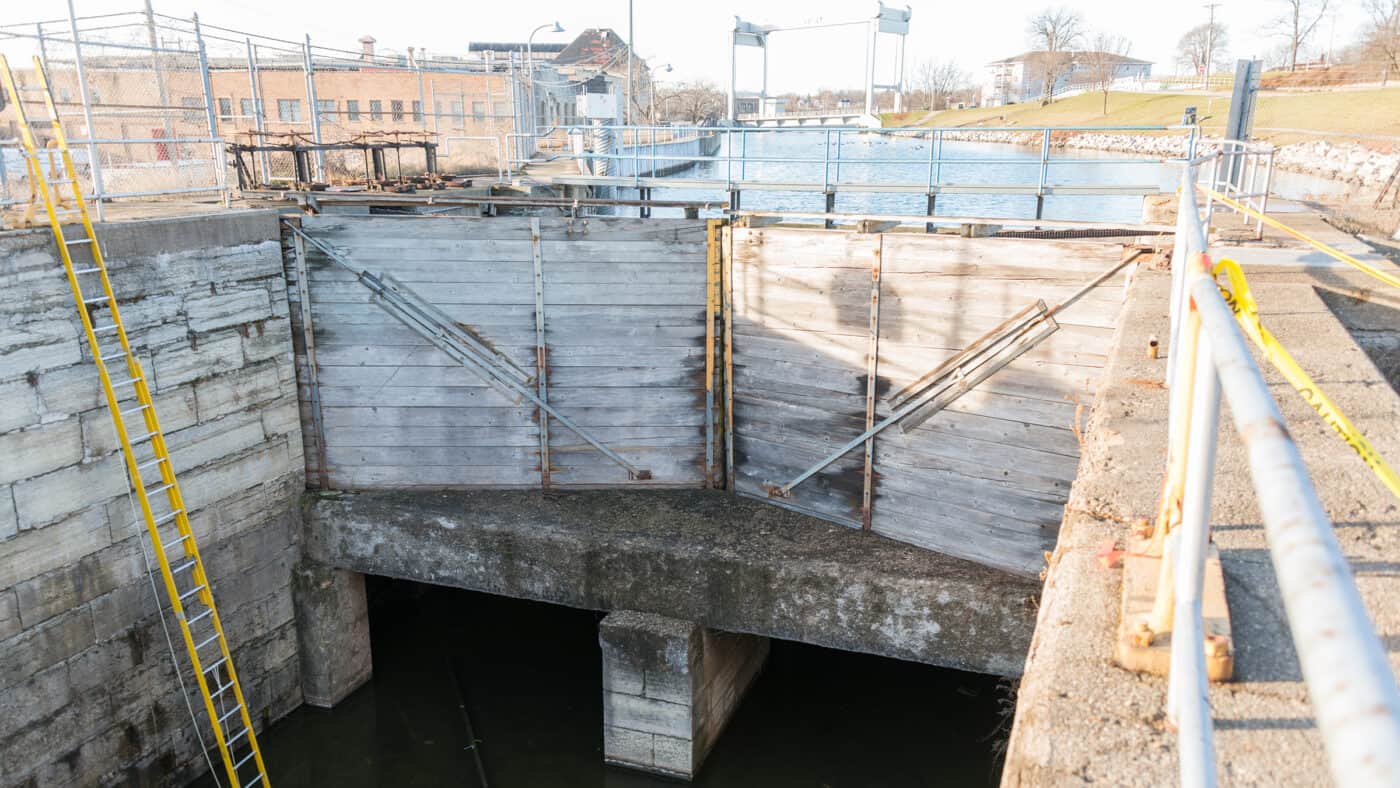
point(161, 505)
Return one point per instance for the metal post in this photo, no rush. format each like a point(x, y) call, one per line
point(733, 74)
point(93, 160)
point(422, 107)
point(873, 26)
point(43, 49)
point(899, 91)
point(1188, 702)
point(216, 148)
point(309, 69)
point(1044, 174)
point(259, 116)
point(1354, 696)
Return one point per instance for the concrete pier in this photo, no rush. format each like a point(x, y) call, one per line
point(669, 688)
point(705, 556)
point(333, 629)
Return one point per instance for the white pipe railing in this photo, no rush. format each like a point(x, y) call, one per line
point(1353, 691)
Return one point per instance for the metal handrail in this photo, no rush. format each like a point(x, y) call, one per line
point(1353, 691)
point(832, 141)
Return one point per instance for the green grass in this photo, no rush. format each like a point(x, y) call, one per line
point(1327, 114)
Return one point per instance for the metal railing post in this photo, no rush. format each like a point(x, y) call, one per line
point(309, 68)
point(1044, 174)
point(1353, 691)
point(259, 116)
point(1188, 702)
point(826, 162)
point(216, 147)
point(94, 161)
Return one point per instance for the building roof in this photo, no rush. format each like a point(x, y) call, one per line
point(513, 46)
point(1033, 55)
point(594, 47)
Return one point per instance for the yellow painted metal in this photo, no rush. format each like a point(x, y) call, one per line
point(199, 594)
point(714, 230)
point(1330, 251)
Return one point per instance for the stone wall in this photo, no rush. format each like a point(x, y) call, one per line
point(88, 694)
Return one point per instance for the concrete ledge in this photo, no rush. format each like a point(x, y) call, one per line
point(704, 556)
point(1080, 718)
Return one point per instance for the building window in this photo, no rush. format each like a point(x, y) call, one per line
point(245, 108)
point(376, 109)
point(225, 109)
point(396, 110)
point(459, 112)
point(479, 110)
point(192, 105)
point(498, 109)
point(325, 109)
point(352, 110)
point(289, 110)
point(417, 112)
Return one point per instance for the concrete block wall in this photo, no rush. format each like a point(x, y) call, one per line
point(88, 693)
point(669, 688)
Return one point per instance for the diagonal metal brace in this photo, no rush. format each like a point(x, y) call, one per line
point(413, 311)
point(949, 381)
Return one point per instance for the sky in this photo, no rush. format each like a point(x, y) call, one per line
point(693, 37)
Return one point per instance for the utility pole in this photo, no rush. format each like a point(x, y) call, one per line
point(627, 108)
point(1210, 44)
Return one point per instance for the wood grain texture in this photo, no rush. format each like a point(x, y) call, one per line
point(617, 330)
point(987, 478)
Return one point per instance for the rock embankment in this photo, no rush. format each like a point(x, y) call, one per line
point(1346, 162)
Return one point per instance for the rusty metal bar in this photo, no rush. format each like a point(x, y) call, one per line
point(872, 358)
point(313, 385)
point(541, 352)
point(713, 232)
point(728, 302)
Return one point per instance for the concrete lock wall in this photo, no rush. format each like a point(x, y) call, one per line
point(816, 313)
point(88, 694)
point(623, 309)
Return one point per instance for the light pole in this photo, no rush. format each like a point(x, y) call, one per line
point(555, 27)
point(651, 85)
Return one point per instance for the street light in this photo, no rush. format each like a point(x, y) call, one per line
point(555, 27)
point(651, 79)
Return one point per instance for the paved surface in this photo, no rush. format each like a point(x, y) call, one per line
point(725, 562)
point(1082, 719)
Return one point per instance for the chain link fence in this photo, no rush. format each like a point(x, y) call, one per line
point(149, 103)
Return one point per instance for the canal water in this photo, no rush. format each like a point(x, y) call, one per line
point(808, 155)
point(525, 678)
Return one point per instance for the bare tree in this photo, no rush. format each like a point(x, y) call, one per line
point(1382, 37)
point(1198, 43)
point(936, 81)
point(691, 102)
point(1054, 32)
point(1103, 61)
point(1296, 24)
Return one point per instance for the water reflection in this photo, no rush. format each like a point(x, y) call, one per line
point(529, 679)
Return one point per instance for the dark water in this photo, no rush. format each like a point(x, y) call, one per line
point(529, 677)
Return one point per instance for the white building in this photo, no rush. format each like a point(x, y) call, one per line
point(1015, 80)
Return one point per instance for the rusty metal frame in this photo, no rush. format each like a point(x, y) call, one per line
point(872, 360)
point(541, 353)
point(727, 290)
point(713, 233)
point(308, 339)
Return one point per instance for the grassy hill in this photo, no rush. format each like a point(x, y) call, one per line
point(1366, 115)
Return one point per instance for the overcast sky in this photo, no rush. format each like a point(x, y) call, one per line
point(692, 37)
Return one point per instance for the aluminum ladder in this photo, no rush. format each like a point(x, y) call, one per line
point(143, 446)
